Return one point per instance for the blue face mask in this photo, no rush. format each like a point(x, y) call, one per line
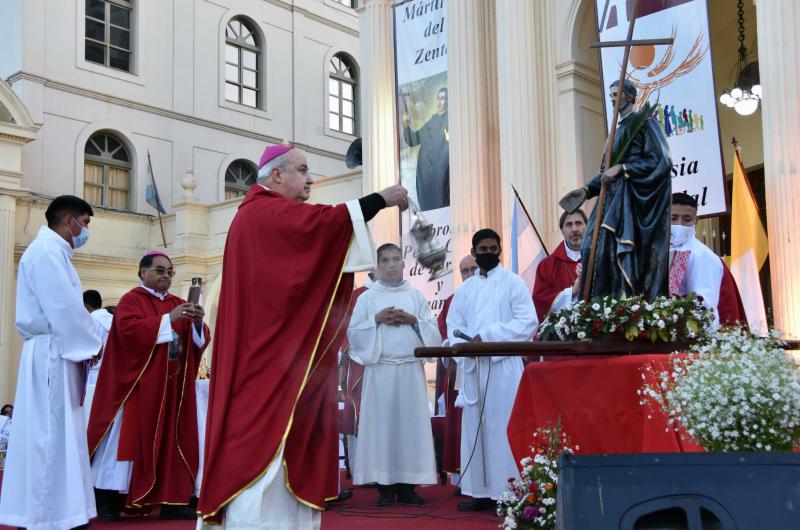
point(81, 239)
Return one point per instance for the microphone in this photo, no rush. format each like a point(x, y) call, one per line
point(461, 335)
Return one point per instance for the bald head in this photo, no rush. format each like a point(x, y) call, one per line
point(468, 266)
point(288, 175)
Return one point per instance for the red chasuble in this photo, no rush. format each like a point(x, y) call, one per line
point(273, 382)
point(159, 422)
point(554, 274)
point(354, 375)
point(446, 382)
point(730, 307)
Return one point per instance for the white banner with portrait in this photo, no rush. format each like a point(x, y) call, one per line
point(678, 79)
point(424, 145)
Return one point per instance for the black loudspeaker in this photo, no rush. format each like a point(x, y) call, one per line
point(679, 491)
point(353, 158)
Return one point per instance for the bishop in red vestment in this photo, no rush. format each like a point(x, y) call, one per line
point(142, 429)
point(556, 274)
point(271, 435)
point(446, 381)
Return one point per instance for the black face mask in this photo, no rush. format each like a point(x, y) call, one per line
point(487, 261)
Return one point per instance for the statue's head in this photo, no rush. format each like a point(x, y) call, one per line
point(628, 88)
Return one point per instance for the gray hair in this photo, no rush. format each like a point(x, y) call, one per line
point(279, 162)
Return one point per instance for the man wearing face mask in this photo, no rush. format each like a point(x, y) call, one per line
point(695, 267)
point(492, 306)
point(47, 481)
point(395, 445)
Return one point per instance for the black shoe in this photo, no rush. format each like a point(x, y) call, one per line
point(343, 496)
point(407, 495)
point(183, 512)
point(477, 505)
point(107, 504)
point(385, 495)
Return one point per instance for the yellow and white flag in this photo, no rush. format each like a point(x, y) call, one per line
point(749, 247)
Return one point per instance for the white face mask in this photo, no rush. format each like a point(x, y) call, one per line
point(679, 234)
point(82, 237)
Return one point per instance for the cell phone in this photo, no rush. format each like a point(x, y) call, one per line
point(195, 290)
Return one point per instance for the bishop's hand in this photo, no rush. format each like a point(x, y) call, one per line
point(185, 310)
point(573, 200)
point(395, 196)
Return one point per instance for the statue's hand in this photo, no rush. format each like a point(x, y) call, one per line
point(573, 200)
point(611, 174)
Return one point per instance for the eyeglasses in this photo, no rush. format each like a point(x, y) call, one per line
point(161, 271)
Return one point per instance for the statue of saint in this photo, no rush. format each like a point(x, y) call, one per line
point(632, 256)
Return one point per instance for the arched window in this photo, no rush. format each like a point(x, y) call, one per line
point(242, 56)
point(240, 175)
point(342, 89)
point(107, 172)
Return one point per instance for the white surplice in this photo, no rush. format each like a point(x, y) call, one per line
point(499, 308)
point(395, 444)
point(703, 275)
point(104, 318)
point(47, 481)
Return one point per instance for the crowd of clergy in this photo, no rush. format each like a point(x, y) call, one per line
point(270, 458)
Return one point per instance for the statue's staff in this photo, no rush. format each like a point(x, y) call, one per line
point(601, 199)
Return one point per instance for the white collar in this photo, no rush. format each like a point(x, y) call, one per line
point(48, 233)
point(154, 293)
point(574, 255)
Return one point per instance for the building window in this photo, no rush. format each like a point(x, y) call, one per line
point(241, 174)
point(242, 54)
point(348, 3)
point(107, 172)
point(342, 95)
point(108, 33)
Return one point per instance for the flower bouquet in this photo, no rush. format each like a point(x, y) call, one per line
point(665, 319)
point(735, 392)
point(530, 503)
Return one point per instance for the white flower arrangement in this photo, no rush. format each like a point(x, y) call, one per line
point(735, 392)
point(665, 319)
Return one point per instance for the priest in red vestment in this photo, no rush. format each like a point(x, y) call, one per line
point(556, 274)
point(271, 434)
point(142, 429)
point(446, 382)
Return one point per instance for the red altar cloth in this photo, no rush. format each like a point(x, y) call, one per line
point(598, 404)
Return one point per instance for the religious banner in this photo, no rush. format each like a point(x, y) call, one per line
point(424, 146)
point(678, 79)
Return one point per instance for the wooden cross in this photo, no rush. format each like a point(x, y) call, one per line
point(627, 43)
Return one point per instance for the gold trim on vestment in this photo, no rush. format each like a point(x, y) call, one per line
point(135, 502)
point(294, 406)
point(189, 344)
point(149, 358)
point(616, 255)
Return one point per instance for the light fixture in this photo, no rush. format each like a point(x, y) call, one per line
point(746, 95)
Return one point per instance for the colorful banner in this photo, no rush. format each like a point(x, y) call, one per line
point(680, 79)
point(424, 145)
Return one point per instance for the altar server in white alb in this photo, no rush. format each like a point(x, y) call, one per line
point(47, 481)
point(395, 445)
point(494, 305)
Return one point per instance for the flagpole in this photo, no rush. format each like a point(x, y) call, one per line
point(155, 189)
point(533, 225)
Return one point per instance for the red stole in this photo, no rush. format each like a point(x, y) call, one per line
point(159, 422)
point(445, 384)
point(730, 307)
point(282, 303)
point(354, 374)
point(554, 274)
